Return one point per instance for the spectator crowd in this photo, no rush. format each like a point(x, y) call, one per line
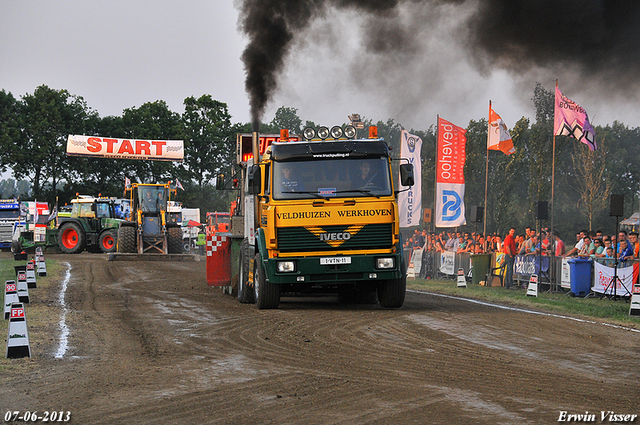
point(587, 244)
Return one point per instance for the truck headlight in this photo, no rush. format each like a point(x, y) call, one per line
point(286, 266)
point(385, 263)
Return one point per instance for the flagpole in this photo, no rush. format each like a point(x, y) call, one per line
point(486, 178)
point(435, 180)
point(553, 179)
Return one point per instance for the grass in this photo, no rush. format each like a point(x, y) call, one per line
point(616, 312)
point(42, 312)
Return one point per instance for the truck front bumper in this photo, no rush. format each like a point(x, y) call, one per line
point(347, 270)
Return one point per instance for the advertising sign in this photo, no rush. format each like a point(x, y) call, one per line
point(104, 147)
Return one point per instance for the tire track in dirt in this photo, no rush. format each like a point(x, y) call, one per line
point(151, 343)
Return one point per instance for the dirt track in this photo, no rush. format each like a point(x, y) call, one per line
point(149, 342)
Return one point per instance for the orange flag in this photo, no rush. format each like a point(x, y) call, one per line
point(499, 138)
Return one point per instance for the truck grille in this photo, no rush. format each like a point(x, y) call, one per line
point(6, 232)
point(306, 239)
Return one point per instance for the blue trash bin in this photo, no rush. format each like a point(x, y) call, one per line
point(580, 276)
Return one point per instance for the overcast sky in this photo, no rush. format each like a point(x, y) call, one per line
point(120, 54)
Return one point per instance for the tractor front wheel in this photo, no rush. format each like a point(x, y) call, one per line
point(108, 241)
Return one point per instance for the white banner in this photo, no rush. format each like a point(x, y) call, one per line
point(410, 201)
point(565, 280)
point(416, 259)
point(447, 262)
point(104, 147)
point(450, 201)
point(602, 280)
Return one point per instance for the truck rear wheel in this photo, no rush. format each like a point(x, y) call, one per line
point(174, 240)
point(245, 292)
point(127, 239)
point(107, 241)
point(72, 238)
point(267, 294)
point(391, 293)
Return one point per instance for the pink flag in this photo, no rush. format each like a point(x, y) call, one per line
point(570, 119)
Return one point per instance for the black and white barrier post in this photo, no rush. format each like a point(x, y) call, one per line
point(532, 289)
point(31, 274)
point(42, 267)
point(18, 338)
point(462, 280)
point(634, 308)
point(23, 287)
point(10, 297)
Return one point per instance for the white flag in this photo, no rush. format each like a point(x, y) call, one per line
point(410, 201)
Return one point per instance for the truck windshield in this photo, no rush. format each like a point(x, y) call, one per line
point(9, 214)
point(340, 177)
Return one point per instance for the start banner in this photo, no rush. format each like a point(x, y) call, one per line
point(105, 147)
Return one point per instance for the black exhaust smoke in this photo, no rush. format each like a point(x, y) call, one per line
point(594, 39)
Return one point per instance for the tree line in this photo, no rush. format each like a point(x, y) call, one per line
point(34, 131)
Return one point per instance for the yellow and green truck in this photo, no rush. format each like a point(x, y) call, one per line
point(317, 213)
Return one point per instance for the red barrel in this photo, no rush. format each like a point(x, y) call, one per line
point(219, 259)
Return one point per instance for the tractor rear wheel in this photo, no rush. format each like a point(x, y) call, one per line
point(71, 239)
point(127, 241)
point(174, 240)
point(107, 241)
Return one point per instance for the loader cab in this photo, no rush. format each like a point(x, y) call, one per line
point(150, 229)
point(152, 199)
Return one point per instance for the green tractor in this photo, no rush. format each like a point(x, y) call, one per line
point(92, 224)
point(150, 229)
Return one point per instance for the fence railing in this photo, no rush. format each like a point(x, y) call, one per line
point(552, 271)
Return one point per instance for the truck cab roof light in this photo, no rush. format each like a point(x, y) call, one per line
point(323, 132)
point(309, 133)
point(350, 132)
point(336, 132)
point(284, 135)
point(373, 132)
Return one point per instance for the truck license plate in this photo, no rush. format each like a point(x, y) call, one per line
point(326, 261)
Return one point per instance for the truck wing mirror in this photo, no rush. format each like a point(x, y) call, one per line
point(406, 175)
point(254, 180)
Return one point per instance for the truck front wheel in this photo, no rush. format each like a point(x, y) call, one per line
point(391, 292)
point(72, 238)
point(267, 294)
